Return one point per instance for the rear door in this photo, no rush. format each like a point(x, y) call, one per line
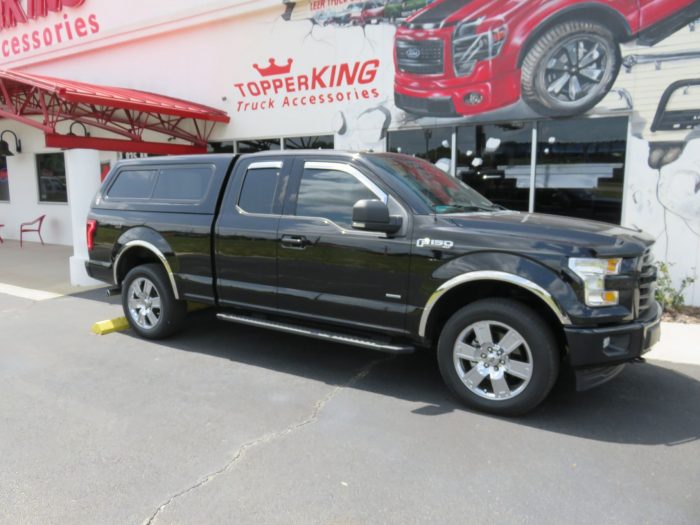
point(246, 233)
point(327, 270)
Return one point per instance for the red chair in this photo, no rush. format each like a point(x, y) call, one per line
point(26, 227)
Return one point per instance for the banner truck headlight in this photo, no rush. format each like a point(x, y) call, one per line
point(593, 272)
point(470, 46)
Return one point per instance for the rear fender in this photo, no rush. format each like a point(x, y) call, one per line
point(143, 238)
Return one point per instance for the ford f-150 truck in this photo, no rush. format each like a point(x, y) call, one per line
point(378, 250)
point(465, 57)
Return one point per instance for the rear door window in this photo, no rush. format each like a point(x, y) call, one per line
point(259, 189)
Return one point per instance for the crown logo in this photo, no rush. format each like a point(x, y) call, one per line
point(274, 69)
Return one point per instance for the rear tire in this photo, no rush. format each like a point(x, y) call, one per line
point(498, 356)
point(149, 304)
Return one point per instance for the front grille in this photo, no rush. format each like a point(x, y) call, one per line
point(421, 57)
point(647, 282)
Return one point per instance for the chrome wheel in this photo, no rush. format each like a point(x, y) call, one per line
point(493, 360)
point(144, 303)
point(576, 69)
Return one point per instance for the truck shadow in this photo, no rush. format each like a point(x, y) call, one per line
point(646, 404)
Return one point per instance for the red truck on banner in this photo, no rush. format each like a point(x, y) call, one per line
point(465, 57)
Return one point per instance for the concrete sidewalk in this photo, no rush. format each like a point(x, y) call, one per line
point(680, 343)
point(36, 267)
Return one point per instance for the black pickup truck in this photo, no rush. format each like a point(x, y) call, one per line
point(382, 251)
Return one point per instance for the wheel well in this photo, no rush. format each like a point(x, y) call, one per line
point(132, 258)
point(605, 16)
point(468, 293)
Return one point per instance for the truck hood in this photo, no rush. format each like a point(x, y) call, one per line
point(448, 12)
point(578, 235)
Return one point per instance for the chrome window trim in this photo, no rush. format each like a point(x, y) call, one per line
point(156, 252)
point(241, 211)
point(488, 275)
point(265, 164)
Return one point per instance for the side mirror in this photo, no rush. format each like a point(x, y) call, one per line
point(373, 215)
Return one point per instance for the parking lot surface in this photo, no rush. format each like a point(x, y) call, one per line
point(229, 424)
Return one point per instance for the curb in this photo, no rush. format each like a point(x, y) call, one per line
point(119, 324)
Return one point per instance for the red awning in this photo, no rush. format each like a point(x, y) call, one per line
point(124, 114)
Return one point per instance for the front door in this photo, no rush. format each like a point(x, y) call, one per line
point(329, 271)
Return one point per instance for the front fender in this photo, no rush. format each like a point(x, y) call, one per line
point(519, 271)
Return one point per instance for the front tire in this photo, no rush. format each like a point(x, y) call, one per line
point(149, 304)
point(498, 356)
point(570, 68)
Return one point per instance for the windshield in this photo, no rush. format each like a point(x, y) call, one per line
point(439, 191)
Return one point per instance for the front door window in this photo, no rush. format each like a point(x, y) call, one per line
point(330, 194)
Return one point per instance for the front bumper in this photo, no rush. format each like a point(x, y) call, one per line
point(447, 97)
point(596, 354)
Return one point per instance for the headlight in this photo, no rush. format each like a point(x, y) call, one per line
point(469, 47)
point(593, 272)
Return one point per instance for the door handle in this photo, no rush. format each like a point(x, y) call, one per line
point(295, 241)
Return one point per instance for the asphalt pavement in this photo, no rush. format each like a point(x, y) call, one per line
point(230, 424)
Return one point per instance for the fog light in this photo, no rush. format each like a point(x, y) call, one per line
point(473, 98)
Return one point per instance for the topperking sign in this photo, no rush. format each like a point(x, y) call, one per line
point(16, 14)
point(279, 86)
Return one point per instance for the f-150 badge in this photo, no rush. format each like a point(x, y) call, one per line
point(427, 242)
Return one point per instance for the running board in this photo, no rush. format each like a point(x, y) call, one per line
point(317, 333)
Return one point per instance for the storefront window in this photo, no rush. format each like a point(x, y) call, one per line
point(495, 161)
point(4, 181)
point(580, 163)
point(580, 168)
point(431, 144)
point(220, 147)
point(51, 177)
point(320, 142)
point(251, 146)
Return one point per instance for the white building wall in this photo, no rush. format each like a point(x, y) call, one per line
point(665, 204)
point(24, 202)
point(664, 200)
